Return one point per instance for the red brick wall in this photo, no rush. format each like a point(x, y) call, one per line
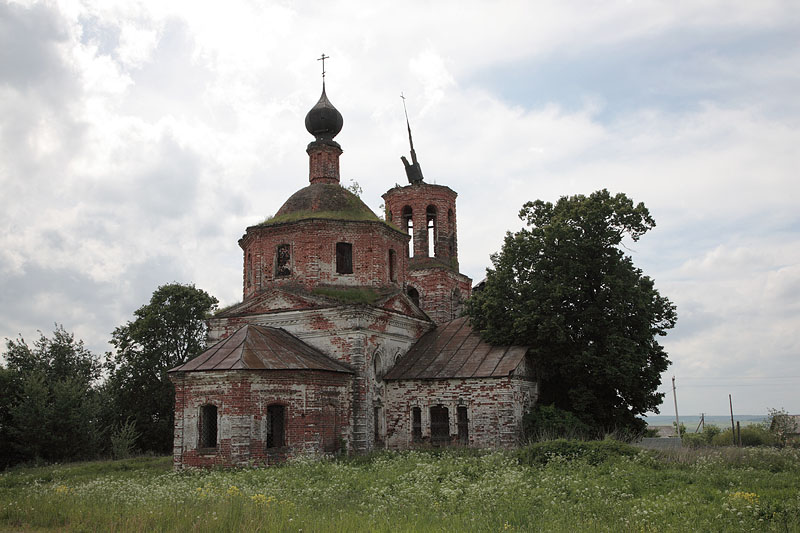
point(494, 405)
point(242, 398)
point(313, 254)
point(433, 273)
point(419, 197)
point(323, 162)
point(441, 292)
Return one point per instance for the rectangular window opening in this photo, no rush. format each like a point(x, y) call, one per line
point(208, 426)
point(283, 261)
point(463, 425)
point(440, 425)
point(276, 426)
point(344, 258)
point(416, 424)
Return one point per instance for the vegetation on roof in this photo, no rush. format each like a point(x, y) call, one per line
point(350, 295)
point(225, 309)
point(343, 214)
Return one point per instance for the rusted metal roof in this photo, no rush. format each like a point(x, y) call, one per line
point(254, 347)
point(454, 350)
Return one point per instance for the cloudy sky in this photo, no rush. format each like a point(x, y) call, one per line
point(138, 140)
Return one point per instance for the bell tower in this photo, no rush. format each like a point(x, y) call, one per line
point(427, 212)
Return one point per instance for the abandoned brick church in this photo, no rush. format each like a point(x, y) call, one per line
point(348, 337)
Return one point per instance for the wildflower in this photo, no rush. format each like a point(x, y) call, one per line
point(233, 491)
point(259, 498)
point(749, 497)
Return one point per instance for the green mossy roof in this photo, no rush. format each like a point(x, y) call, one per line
point(325, 201)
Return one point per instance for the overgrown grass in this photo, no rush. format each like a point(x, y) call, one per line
point(349, 295)
point(687, 490)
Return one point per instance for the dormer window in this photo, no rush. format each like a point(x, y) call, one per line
point(283, 260)
point(344, 258)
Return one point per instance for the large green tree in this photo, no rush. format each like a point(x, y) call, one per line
point(563, 286)
point(165, 333)
point(49, 407)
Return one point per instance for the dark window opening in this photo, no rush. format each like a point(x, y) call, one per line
point(450, 215)
point(208, 426)
point(408, 224)
point(344, 258)
point(416, 424)
point(430, 215)
point(392, 265)
point(283, 261)
point(377, 414)
point(414, 295)
point(440, 425)
point(276, 426)
point(463, 425)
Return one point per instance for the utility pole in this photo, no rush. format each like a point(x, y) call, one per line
point(733, 429)
point(675, 399)
point(702, 423)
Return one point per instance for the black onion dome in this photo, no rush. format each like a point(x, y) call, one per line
point(324, 121)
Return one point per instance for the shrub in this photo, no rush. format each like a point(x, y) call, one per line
point(123, 439)
point(592, 452)
point(550, 422)
point(704, 438)
point(752, 435)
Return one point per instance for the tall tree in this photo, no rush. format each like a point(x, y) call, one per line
point(564, 287)
point(165, 333)
point(49, 408)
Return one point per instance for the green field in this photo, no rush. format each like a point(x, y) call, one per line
point(558, 488)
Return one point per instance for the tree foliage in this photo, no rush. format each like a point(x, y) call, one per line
point(781, 425)
point(563, 286)
point(165, 333)
point(50, 409)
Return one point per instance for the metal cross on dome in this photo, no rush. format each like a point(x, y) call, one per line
point(323, 58)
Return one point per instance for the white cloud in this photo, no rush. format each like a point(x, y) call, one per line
point(140, 139)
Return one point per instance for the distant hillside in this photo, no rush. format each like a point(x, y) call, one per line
point(691, 422)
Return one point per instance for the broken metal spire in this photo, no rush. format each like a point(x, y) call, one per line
point(413, 170)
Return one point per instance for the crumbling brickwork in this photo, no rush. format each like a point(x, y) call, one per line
point(494, 409)
point(429, 213)
point(312, 255)
point(242, 399)
point(325, 352)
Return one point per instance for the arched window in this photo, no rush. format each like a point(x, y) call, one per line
point(430, 216)
point(344, 258)
point(208, 427)
point(283, 260)
point(414, 295)
point(408, 224)
point(276, 426)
